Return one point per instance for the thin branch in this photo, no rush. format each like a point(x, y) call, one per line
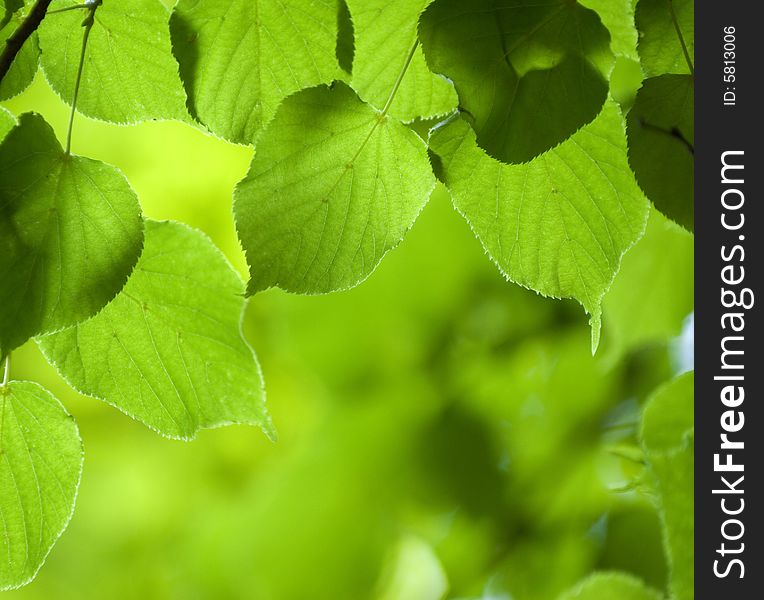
point(16, 40)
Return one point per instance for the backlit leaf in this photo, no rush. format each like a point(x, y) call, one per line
point(24, 66)
point(70, 234)
point(611, 586)
point(239, 59)
point(559, 224)
point(660, 50)
point(40, 466)
point(7, 122)
point(636, 314)
point(661, 128)
point(129, 73)
point(668, 441)
point(618, 17)
point(385, 33)
point(529, 74)
point(333, 186)
point(168, 350)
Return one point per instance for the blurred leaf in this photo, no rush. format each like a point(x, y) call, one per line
point(611, 586)
point(385, 33)
point(70, 234)
point(661, 267)
point(334, 185)
point(558, 224)
point(239, 60)
point(528, 74)
point(39, 475)
point(661, 134)
point(415, 573)
point(129, 73)
point(168, 350)
point(618, 17)
point(24, 66)
point(660, 50)
point(668, 439)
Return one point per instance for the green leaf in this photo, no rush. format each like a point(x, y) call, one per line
point(660, 49)
point(385, 33)
point(529, 74)
point(40, 466)
point(239, 59)
point(70, 234)
point(611, 586)
point(661, 267)
point(169, 351)
point(668, 441)
point(7, 122)
point(129, 73)
point(661, 133)
point(559, 224)
point(618, 17)
point(24, 66)
point(333, 186)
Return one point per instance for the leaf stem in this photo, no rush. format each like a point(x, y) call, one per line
point(681, 37)
point(16, 40)
point(401, 75)
point(87, 23)
point(68, 8)
point(6, 371)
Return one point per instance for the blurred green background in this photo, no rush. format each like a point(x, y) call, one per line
point(443, 433)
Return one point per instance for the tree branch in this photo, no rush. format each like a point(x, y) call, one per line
point(16, 40)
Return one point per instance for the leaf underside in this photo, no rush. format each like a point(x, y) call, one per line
point(333, 186)
point(40, 466)
point(661, 129)
point(239, 59)
point(129, 73)
point(70, 234)
point(168, 350)
point(559, 224)
point(533, 75)
point(385, 31)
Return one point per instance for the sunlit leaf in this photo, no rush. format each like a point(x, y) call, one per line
point(618, 17)
point(660, 49)
point(333, 186)
point(129, 73)
point(558, 224)
point(169, 350)
point(24, 66)
point(70, 233)
point(636, 314)
point(40, 465)
point(7, 122)
point(661, 129)
point(385, 35)
point(611, 586)
point(529, 74)
point(239, 59)
point(668, 441)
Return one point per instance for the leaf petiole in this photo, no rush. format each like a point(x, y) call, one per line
point(68, 8)
point(685, 51)
point(87, 23)
point(6, 371)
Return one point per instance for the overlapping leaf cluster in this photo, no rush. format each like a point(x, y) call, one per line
point(512, 97)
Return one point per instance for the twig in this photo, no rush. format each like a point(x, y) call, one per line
point(16, 40)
